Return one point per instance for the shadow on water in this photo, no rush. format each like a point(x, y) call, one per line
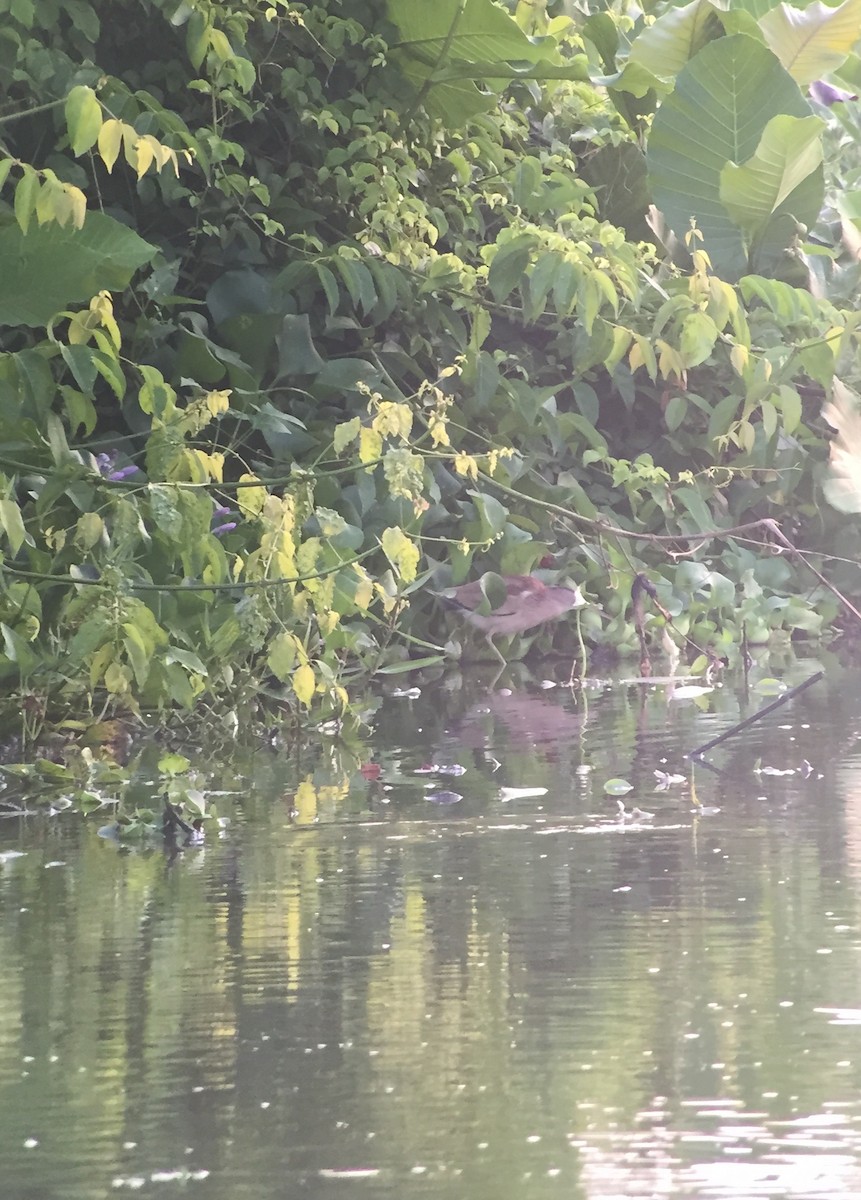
point(461, 967)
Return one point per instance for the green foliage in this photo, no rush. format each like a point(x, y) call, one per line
point(314, 309)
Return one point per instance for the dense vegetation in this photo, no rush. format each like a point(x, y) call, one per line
point(309, 310)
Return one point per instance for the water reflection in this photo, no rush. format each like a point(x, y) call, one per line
point(361, 991)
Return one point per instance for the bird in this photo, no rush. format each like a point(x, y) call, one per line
point(523, 602)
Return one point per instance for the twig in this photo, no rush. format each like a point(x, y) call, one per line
point(722, 737)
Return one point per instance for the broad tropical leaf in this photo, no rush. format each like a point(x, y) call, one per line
point(813, 40)
point(722, 102)
point(51, 267)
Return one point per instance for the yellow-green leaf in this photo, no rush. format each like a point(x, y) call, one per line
point(83, 118)
point(345, 433)
point(88, 530)
point(250, 499)
point(109, 141)
point(699, 334)
point(282, 656)
point(813, 40)
point(304, 684)
point(370, 445)
point(401, 552)
point(13, 523)
point(26, 194)
point(117, 678)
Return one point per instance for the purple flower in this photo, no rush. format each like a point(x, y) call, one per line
point(827, 94)
point(105, 466)
point(123, 473)
point(227, 527)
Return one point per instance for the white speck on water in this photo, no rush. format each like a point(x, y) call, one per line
point(348, 1172)
point(31, 1143)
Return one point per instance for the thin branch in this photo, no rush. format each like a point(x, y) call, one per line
point(728, 733)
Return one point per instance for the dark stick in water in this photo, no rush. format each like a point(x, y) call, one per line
point(722, 737)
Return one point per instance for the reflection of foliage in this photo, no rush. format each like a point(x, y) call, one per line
point(438, 983)
point(382, 321)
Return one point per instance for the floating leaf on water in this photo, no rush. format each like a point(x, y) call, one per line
point(526, 793)
point(769, 687)
point(412, 693)
point(444, 797)
point(110, 833)
point(196, 800)
point(547, 684)
point(690, 691)
point(617, 787)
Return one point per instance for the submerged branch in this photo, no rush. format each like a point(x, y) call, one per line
point(728, 733)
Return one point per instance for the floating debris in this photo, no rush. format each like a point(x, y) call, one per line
point(525, 793)
point(633, 814)
point(666, 780)
point(618, 787)
point(444, 797)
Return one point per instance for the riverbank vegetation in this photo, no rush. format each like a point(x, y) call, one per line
point(310, 310)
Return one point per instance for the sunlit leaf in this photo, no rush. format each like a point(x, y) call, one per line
point(304, 684)
point(842, 486)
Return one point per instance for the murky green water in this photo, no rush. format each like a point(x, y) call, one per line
point(448, 983)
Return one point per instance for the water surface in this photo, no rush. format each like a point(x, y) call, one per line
point(447, 964)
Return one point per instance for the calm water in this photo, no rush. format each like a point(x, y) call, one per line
point(478, 981)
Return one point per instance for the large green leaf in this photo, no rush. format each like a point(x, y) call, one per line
point(447, 38)
point(667, 46)
point(814, 40)
point(49, 268)
point(722, 102)
point(789, 151)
